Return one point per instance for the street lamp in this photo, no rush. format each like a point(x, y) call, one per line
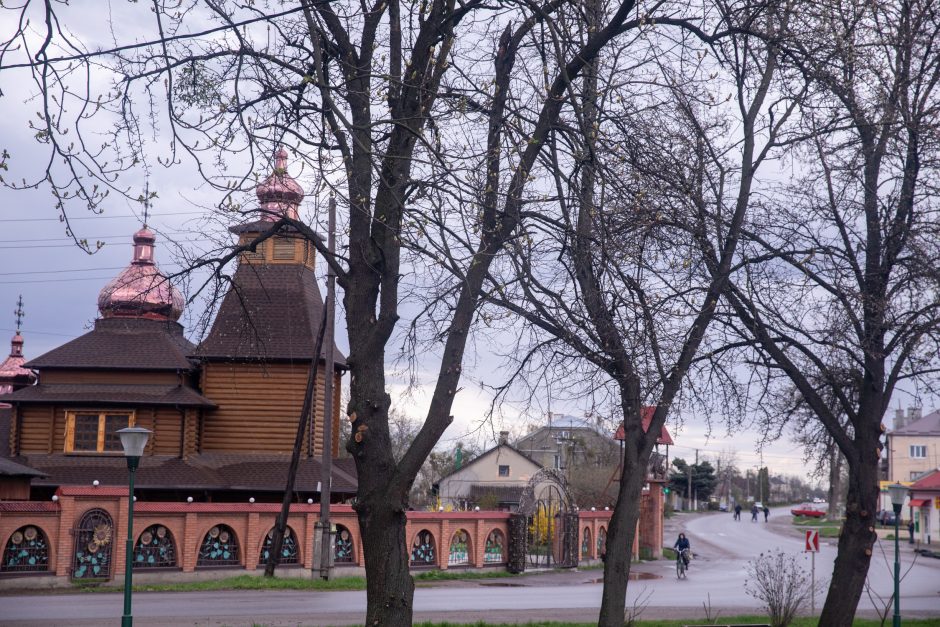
point(133, 441)
point(897, 492)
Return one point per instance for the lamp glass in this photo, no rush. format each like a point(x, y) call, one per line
point(897, 492)
point(133, 440)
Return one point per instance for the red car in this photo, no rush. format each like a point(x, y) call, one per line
point(809, 510)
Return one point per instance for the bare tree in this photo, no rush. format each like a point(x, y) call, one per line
point(598, 276)
point(840, 292)
point(401, 107)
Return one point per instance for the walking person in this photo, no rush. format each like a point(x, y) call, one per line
point(766, 513)
point(754, 512)
point(737, 512)
point(910, 530)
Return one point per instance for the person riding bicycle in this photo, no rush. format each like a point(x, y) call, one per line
point(683, 548)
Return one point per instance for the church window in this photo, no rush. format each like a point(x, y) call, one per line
point(283, 248)
point(95, 431)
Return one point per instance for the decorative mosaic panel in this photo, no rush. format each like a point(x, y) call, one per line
point(93, 545)
point(155, 548)
point(422, 549)
point(493, 553)
point(586, 544)
point(459, 549)
point(290, 553)
point(219, 548)
point(343, 550)
point(601, 541)
point(27, 550)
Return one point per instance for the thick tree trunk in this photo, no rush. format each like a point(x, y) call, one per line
point(623, 523)
point(388, 581)
point(857, 537)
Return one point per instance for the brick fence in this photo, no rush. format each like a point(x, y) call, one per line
point(474, 539)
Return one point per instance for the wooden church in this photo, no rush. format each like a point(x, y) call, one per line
point(224, 413)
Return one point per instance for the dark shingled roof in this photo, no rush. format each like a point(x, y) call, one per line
point(271, 312)
point(126, 343)
point(10, 468)
point(208, 471)
point(110, 393)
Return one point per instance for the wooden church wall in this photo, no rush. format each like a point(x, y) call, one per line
point(258, 406)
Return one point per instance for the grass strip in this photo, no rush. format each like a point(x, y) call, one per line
point(798, 622)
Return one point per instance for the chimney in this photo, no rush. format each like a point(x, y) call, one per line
point(898, 419)
point(503, 437)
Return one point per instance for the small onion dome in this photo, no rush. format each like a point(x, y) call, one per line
point(141, 290)
point(279, 194)
point(12, 373)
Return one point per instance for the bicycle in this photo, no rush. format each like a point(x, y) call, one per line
point(681, 558)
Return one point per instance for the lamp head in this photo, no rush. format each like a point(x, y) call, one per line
point(897, 492)
point(133, 440)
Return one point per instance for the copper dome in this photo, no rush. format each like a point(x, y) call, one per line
point(141, 290)
point(279, 194)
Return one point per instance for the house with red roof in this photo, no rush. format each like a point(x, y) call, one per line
point(925, 506)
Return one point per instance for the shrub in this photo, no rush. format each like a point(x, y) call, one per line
point(780, 583)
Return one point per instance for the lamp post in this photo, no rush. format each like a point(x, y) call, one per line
point(897, 492)
point(133, 441)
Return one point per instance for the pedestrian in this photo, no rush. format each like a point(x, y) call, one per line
point(737, 512)
point(766, 513)
point(754, 511)
point(910, 529)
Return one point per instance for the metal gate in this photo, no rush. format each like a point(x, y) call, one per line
point(93, 546)
point(552, 523)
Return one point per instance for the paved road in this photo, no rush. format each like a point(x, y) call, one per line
point(723, 548)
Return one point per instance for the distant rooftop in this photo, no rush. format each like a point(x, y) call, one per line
point(928, 425)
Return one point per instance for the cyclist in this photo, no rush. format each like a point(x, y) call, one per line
point(683, 549)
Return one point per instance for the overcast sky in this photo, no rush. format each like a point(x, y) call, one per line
point(60, 283)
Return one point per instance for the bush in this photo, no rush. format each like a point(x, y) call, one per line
point(780, 583)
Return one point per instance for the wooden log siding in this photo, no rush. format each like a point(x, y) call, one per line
point(280, 249)
point(258, 406)
point(36, 426)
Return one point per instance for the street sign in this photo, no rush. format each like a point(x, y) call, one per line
point(812, 541)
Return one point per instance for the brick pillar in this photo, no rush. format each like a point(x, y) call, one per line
point(309, 522)
point(189, 548)
point(252, 542)
point(66, 541)
point(119, 548)
point(479, 542)
point(444, 531)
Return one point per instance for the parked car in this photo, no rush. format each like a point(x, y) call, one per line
point(809, 510)
point(886, 517)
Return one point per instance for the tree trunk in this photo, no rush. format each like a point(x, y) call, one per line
point(622, 530)
point(836, 497)
point(857, 537)
point(388, 581)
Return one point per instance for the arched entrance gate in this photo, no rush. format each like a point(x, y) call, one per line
point(544, 530)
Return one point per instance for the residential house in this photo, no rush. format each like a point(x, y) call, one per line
point(568, 442)
point(913, 448)
point(925, 506)
point(494, 480)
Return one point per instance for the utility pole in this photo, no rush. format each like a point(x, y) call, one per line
point(326, 463)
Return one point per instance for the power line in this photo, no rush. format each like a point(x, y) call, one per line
point(104, 217)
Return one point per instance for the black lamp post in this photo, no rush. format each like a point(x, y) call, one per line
point(897, 492)
point(133, 440)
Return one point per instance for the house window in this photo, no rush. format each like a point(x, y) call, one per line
point(557, 462)
point(504, 471)
point(95, 432)
point(918, 451)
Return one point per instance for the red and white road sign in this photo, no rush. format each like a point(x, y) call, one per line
point(812, 541)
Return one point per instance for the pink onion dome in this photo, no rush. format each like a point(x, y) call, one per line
point(279, 194)
point(141, 290)
point(11, 369)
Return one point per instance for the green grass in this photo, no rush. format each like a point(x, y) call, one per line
point(448, 575)
point(241, 582)
point(827, 528)
point(669, 554)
